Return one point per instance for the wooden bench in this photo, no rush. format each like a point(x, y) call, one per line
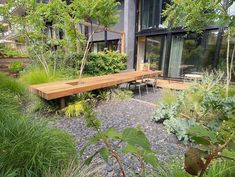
point(62, 89)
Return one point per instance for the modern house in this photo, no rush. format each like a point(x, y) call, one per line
point(176, 52)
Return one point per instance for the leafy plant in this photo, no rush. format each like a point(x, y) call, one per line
point(204, 103)
point(212, 147)
point(180, 127)
point(133, 139)
point(105, 62)
point(74, 110)
point(16, 66)
point(164, 112)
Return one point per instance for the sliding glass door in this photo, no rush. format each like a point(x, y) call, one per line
point(187, 56)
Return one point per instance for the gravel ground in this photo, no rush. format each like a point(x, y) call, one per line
point(122, 114)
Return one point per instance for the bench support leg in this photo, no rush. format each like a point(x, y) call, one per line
point(62, 103)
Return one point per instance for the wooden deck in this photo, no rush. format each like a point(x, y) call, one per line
point(61, 89)
point(169, 84)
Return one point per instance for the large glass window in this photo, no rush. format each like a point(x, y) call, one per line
point(188, 56)
point(150, 13)
point(113, 45)
point(155, 52)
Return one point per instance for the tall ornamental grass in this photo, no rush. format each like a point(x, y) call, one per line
point(27, 147)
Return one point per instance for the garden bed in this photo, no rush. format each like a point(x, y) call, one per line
point(120, 115)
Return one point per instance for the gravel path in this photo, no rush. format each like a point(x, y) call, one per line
point(128, 113)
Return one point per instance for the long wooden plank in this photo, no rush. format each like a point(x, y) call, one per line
point(60, 89)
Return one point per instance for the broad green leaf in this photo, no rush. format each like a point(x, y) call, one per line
point(130, 149)
point(136, 137)
point(104, 153)
point(203, 133)
point(229, 154)
point(151, 159)
point(201, 140)
point(112, 133)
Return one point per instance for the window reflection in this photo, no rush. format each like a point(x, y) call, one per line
point(155, 52)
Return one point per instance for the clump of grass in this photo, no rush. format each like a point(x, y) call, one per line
point(75, 170)
point(36, 75)
point(169, 96)
point(28, 148)
point(12, 85)
point(32, 148)
point(119, 94)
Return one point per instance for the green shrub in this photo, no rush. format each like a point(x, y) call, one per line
point(12, 85)
point(16, 66)
point(106, 62)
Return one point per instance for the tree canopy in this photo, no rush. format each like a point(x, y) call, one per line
point(196, 15)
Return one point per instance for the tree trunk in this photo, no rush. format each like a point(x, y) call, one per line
point(227, 63)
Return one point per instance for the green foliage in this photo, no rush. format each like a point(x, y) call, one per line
point(218, 168)
point(169, 96)
point(73, 169)
point(28, 148)
point(16, 66)
point(196, 15)
point(91, 118)
point(180, 127)
point(165, 111)
point(12, 85)
point(119, 94)
point(9, 52)
point(113, 94)
point(133, 140)
point(212, 147)
point(37, 75)
point(107, 62)
point(32, 148)
point(74, 110)
point(60, 16)
point(203, 102)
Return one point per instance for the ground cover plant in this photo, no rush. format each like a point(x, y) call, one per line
point(204, 115)
point(204, 103)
